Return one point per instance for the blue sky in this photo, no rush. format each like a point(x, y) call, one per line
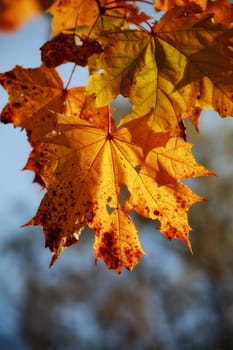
point(22, 48)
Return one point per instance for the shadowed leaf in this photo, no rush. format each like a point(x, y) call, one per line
point(68, 48)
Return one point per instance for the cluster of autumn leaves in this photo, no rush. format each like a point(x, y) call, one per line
point(96, 173)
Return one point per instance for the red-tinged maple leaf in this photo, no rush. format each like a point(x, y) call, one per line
point(83, 168)
point(167, 72)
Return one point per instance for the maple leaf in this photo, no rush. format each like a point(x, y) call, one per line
point(69, 48)
point(31, 92)
point(70, 14)
point(210, 82)
point(148, 139)
point(34, 93)
point(16, 12)
point(83, 168)
point(221, 10)
point(167, 72)
point(130, 68)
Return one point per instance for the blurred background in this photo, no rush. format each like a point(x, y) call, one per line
point(171, 301)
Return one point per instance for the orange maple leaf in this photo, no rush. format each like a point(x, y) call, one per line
point(16, 12)
point(168, 4)
point(221, 10)
point(70, 14)
point(84, 167)
point(34, 93)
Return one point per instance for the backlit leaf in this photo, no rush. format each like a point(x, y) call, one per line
point(84, 167)
point(70, 14)
point(167, 73)
point(34, 93)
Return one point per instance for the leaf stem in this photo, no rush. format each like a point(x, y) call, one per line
point(109, 122)
point(70, 77)
point(100, 7)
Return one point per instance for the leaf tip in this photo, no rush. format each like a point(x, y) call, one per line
point(30, 223)
point(189, 246)
point(53, 259)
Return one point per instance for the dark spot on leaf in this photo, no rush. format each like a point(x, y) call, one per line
point(11, 75)
point(107, 240)
point(137, 168)
point(16, 104)
point(109, 136)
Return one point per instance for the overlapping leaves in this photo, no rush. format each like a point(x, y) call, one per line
point(168, 72)
point(95, 173)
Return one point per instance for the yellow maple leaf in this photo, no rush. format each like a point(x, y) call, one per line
point(167, 73)
point(84, 167)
